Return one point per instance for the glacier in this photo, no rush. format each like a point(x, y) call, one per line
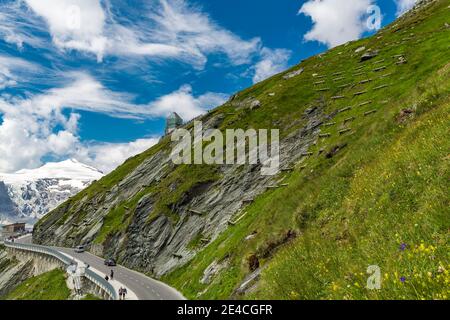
point(28, 195)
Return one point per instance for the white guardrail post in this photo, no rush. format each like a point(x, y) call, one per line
point(90, 275)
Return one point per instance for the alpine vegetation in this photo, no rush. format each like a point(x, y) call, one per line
point(235, 139)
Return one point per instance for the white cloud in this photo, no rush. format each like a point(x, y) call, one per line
point(169, 29)
point(18, 148)
point(404, 5)
point(6, 79)
point(14, 70)
point(173, 29)
point(197, 35)
point(107, 156)
point(62, 142)
point(24, 142)
point(28, 131)
point(335, 21)
point(85, 93)
point(82, 92)
point(73, 24)
point(17, 27)
point(271, 63)
point(185, 104)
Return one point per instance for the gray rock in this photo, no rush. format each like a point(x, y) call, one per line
point(255, 105)
point(293, 74)
point(401, 60)
point(369, 55)
point(250, 237)
point(212, 270)
point(12, 272)
point(249, 283)
point(215, 121)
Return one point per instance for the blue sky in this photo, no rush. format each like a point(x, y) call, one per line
point(94, 79)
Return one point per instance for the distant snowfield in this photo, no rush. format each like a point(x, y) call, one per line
point(35, 192)
point(68, 170)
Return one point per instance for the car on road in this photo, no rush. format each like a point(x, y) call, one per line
point(80, 249)
point(110, 262)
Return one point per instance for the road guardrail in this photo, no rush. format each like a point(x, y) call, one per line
point(89, 274)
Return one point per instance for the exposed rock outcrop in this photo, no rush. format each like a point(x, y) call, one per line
point(212, 270)
point(12, 272)
point(369, 54)
point(293, 74)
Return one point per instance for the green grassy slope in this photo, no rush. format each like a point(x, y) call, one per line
point(387, 187)
point(90, 296)
point(399, 197)
point(48, 286)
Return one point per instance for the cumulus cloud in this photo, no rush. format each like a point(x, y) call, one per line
point(73, 24)
point(27, 134)
point(35, 126)
point(404, 5)
point(335, 21)
point(271, 63)
point(107, 156)
point(24, 142)
point(185, 104)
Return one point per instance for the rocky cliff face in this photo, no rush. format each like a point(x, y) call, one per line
point(159, 244)
point(33, 199)
point(12, 272)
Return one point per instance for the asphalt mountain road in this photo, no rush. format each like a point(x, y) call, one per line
point(144, 287)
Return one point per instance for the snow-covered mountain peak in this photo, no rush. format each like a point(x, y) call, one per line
point(70, 169)
point(29, 194)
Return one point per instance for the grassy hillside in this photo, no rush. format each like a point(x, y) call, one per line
point(48, 286)
point(373, 191)
point(393, 213)
point(90, 296)
point(382, 200)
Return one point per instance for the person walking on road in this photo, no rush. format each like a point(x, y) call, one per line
point(120, 293)
point(112, 274)
point(124, 292)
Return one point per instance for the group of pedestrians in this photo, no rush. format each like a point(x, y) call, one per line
point(123, 293)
